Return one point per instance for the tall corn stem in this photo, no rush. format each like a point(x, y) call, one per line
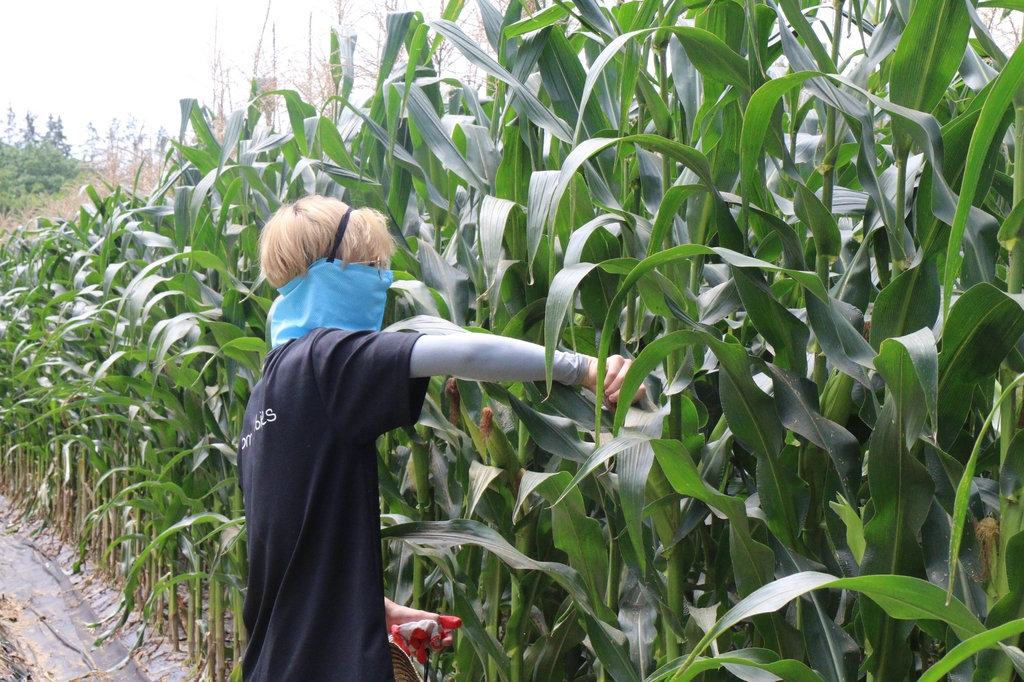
point(812, 467)
point(1011, 517)
point(677, 567)
point(1014, 279)
point(421, 467)
point(492, 586)
point(172, 609)
point(192, 616)
point(828, 186)
point(828, 168)
point(239, 558)
point(899, 265)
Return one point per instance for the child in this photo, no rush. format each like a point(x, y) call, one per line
point(332, 384)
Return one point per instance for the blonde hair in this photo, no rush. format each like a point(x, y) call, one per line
point(303, 232)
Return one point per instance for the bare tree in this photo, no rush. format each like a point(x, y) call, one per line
point(1005, 26)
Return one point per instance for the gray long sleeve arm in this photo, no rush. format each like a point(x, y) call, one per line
point(483, 357)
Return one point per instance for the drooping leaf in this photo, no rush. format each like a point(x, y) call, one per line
point(978, 333)
point(928, 56)
point(796, 399)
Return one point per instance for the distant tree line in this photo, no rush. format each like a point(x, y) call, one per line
point(35, 161)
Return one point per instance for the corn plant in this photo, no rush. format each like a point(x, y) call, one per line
point(801, 220)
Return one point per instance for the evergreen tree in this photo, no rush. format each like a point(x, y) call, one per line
point(11, 129)
point(29, 135)
point(55, 136)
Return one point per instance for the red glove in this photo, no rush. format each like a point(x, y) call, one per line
point(415, 637)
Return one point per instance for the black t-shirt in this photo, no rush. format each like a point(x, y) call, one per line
point(307, 462)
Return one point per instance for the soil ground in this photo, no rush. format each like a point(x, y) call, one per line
point(45, 612)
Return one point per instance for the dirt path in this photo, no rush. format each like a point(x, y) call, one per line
point(44, 612)
point(43, 620)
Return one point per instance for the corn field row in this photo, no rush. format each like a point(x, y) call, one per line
point(803, 221)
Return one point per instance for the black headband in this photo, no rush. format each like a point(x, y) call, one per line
point(342, 226)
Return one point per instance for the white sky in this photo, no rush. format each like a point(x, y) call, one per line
point(91, 61)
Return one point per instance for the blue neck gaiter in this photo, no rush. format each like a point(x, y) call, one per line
point(331, 295)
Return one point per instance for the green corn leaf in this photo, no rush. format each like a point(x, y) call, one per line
point(820, 221)
point(971, 646)
point(999, 98)
point(979, 331)
point(560, 300)
point(909, 303)
point(928, 56)
point(481, 477)
point(902, 597)
point(541, 19)
point(909, 365)
point(796, 399)
point(779, 327)
point(739, 661)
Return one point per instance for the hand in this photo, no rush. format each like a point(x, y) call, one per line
point(614, 375)
point(395, 614)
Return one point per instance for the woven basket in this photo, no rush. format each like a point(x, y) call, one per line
point(405, 671)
